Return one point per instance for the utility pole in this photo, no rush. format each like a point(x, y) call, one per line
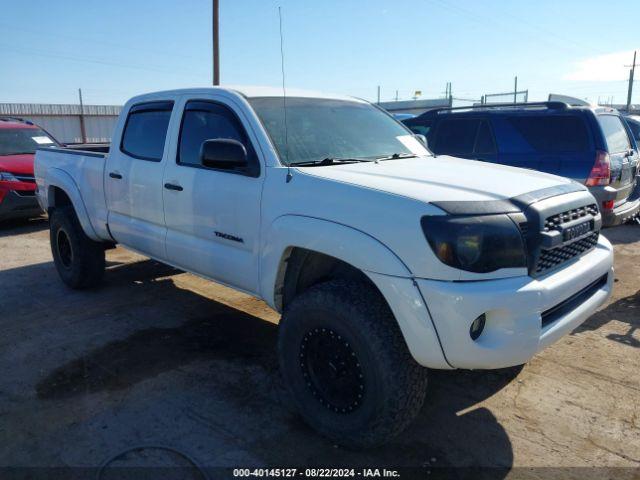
point(378, 93)
point(83, 131)
point(396, 95)
point(215, 33)
point(515, 91)
point(631, 75)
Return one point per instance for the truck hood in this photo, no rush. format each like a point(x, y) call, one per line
point(441, 178)
point(21, 164)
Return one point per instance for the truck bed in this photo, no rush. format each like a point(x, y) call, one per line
point(89, 147)
point(81, 174)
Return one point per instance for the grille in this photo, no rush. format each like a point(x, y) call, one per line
point(552, 222)
point(556, 256)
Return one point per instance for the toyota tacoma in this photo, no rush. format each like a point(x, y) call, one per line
point(384, 260)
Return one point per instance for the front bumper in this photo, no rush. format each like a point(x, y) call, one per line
point(513, 307)
point(19, 204)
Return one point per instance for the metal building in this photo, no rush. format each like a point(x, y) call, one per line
point(94, 124)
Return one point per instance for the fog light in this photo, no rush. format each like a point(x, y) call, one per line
point(477, 327)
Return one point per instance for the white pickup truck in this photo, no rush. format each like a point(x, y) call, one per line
point(382, 258)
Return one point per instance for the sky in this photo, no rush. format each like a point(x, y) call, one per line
point(116, 49)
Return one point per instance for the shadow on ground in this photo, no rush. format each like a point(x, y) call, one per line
point(22, 226)
point(626, 310)
point(451, 430)
point(623, 234)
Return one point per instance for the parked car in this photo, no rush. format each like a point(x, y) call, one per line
point(382, 259)
point(19, 140)
point(591, 145)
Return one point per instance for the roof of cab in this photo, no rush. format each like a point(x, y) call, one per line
point(248, 92)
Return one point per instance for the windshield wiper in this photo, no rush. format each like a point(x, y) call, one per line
point(328, 161)
point(396, 156)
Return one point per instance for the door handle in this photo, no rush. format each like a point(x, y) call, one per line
point(115, 175)
point(171, 186)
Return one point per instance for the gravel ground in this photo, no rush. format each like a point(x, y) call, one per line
point(161, 357)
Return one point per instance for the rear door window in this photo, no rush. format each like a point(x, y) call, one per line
point(146, 130)
point(614, 133)
point(553, 133)
point(456, 136)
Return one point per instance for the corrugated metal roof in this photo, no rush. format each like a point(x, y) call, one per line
point(20, 109)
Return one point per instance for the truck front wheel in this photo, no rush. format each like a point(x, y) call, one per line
point(79, 260)
point(347, 365)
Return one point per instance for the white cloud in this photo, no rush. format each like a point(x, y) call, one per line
point(602, 68)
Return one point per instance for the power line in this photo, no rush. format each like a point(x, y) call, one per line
point(85, 40)
point(75, 58)
point(484, 20)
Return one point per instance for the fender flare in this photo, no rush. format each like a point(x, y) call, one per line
point(345, 243)
point(57, 178)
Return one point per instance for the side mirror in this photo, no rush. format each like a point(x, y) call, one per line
point(421, 138)
point(223, 153)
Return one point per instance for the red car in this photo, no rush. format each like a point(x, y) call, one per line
point(19, 140)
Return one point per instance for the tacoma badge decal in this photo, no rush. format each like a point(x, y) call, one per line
point(229, 237)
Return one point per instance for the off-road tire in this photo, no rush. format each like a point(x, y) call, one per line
point(79, 260)
point(394, 384)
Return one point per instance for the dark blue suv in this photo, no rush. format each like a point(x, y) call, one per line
point(590, 145)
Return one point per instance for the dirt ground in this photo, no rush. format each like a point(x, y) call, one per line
point(157, 357)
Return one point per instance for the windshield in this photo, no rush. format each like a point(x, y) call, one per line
point(319, 128)
point(15, 141)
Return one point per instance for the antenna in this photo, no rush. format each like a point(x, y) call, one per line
point(284, 99)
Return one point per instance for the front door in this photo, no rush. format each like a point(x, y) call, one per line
point(213, 215)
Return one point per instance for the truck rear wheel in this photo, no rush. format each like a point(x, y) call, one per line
point(79, 260)
point(347, 365)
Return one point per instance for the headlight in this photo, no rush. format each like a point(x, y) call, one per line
point(8, 177)
point(478, 244)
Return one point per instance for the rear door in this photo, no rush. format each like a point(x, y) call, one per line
point(133, 179)
point(622, 155)
point(213, 215)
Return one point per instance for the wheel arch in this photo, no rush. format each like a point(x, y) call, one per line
point(300, 251)
point(63, 191)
